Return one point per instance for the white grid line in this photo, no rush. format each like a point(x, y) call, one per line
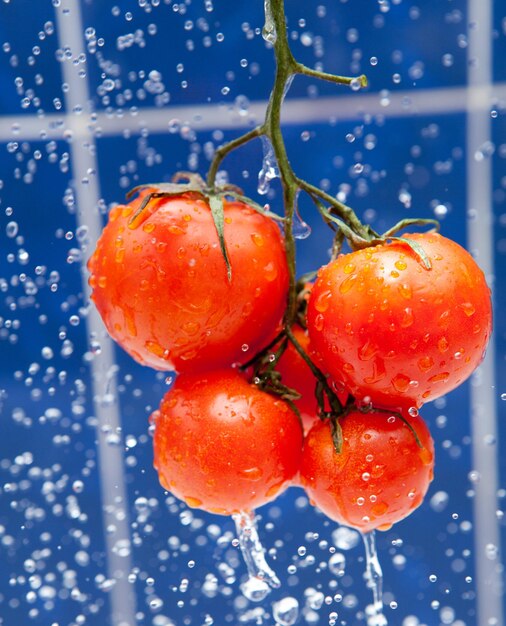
point(489, 599)
point(477, 100)
point(438, 101)
point(115, 517)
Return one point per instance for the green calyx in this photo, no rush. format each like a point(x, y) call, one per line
point(214, 196)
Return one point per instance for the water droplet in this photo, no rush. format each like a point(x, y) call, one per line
point(468, 308)
point(12, 229)
point(269, 28)
point(300, 229)
point(401, 383)
point(286, 611)
point(252, 550)
point(374, 578)
point(442, 377)
point(439, 501)
point(269, 169)
point(347, 283)
point(255, 589)
point(345, 538)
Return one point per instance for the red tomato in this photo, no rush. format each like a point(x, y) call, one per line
point(395, 332)
point(223, 445)
point(162, 289)
point(380, 476)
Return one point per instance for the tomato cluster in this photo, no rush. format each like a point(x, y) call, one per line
point(388, 328)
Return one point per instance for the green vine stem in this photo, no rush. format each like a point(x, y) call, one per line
point(287, 67)
point(340, 217)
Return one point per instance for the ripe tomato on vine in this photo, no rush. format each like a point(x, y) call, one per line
point(198, 278)
point(159, 281)
point(223, 445)
point(381, 474)
point(394, 331)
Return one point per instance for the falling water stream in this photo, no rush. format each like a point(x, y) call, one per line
point(374, 579)
point(261, 576)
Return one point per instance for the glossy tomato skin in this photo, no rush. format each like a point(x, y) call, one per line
point(395, 332)
point(380, 476)
point(161, 287)
point(223, 445)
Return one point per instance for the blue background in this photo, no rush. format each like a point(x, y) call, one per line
point(47, 430)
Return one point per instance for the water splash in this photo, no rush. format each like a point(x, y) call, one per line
point(300, 229)
point(269, 29)
point(374, 579)
point(269, 169)
point(261, 577)
point(286, 611)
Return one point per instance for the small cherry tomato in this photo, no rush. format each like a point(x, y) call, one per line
point(393, 331)
point(160, 282)
point(224, 445)
point(380, 476)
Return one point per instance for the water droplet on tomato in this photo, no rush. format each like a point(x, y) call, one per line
point(413, 411)
point(401, 265)
point(148, 227)
point(251, 473)
point(468, 308)
point(407, 318)
point(425, 363)
point(322, 302)
point(360, 501)
point(271, 272)
point(378, 373)
point(443, 344)
point(348, 268)
point(401, 383)
point(367, 351)
point(192, 502)
point(319, 322)
point(439, 378)
point(426, 456)
point(380, 508)
point(155, 348)
point(378, 469)
point(366, 476)
point(405, 291)
point(191, 328)
point(257, 239)
point(347, 283)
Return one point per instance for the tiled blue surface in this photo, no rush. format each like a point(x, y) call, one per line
point(408, 167)
point(345, 37)
point(29, 69)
